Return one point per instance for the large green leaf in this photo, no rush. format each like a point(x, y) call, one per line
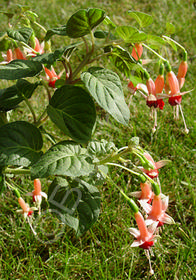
point(124, 62)
point(20, 68)
point(141, 18)
point(61, 30)
point(73, 111)
point(22, 34)
point(105, 86)
point(65, 158)
point(10, 97)
point(78, 203)
point(83, 21)
point(20, 144)
point(155, 42)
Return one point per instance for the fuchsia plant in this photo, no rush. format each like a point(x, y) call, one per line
point(71, 101)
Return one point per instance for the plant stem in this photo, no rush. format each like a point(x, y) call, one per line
point(112, 157)
point(30, 108)
point(81, 65)
point(154, 52)
point(39, 121)
point(40, 26)
point(170, 39)
point(125, 168)
point(8, 170)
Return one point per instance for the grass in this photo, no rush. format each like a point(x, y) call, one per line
point(104, 251)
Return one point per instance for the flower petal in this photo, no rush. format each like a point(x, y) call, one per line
point(44, 195)
point(137, 243)
point(153, 227)
point(161, 163)
point(136, 194)
point(166, 219)
point(146, 206)
point(135, 232)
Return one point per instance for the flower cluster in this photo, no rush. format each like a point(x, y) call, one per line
point(37, 195)
point(166, 86)
point(17, 53)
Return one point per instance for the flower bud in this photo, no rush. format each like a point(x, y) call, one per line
point(9, 55)
point(139, 49)
point(173, 83)
point(182, 70)
point(159, 84)
point(150, 86)
point(19, 54)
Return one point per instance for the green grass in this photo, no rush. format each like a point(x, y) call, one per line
point(104, 252)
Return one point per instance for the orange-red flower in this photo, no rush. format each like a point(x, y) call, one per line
point(156, 212)
point(146, 194)
point(144, 236)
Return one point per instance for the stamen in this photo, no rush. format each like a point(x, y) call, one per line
point(31, 226)
point(186, 129)
point(148, 257)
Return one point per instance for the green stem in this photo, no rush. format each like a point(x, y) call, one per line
point(40, 120)
point(93, 41)
point(129, 170)
point(30, 108)
point(170, 39)
point(18, 171)
point(46, 88)
point(17, 193)
point(40, 26)
point(147, 47)
point(129, 200)
point(113, 157)
point(27, 46)
point(81, 65)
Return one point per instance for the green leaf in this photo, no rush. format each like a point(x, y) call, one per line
point(20, 68)
point(5, 45)
point(64, 159)
point(109, 22)
point(170, 28)
point(20, 144)
point(22, 34)
point(72, 109)
point(131, 34)
point(124, 62)
point(101, 148)
point(10, 97)
point(141, 18)
point(155, 42)
point(83, 21)
point(78, 202)
point(62, 31)
point(105, 86)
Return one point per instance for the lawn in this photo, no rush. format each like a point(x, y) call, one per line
point(104, 251)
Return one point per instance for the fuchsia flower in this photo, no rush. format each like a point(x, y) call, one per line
point(26, 210)
point(144, 236)
point(153, 173)
point(146, 194)
point(155, 88)
point(38, 49)
point(52, 75)
point(37, 194)
point(156, 212)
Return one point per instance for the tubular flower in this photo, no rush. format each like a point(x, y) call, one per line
point(154, 89)
point(53, 77)
point(38, 49)
point(182, 70)
point(37, 194)
point(19, 54)
point(153, 173)
point(156, 212)
point(137, 51)
point(133, 88)
point(144, 236)
point(26, 210)
point(146, 194)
